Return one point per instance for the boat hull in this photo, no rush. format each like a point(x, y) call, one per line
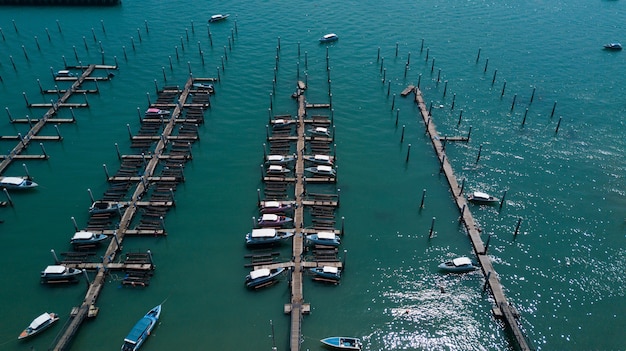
point(254, 283)
point(140, 332)
point(28, 332)
point(342, 343)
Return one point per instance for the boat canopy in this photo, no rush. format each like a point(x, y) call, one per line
point(82, 235)
point(269, 217)
point(280, 121)
point(258, 273)
point(12, 180)
point(324, 168)
point(276, 168)
point(264, 233)
point(326, 235)
point(37, 322)
point(330, 269)
point(481, 195)
point(462, 261)
point(321, 129)
point(322, 157)
point(137, 332)
point(271, 204)
point(330, 35)
point(55, 269)
point(275, 157)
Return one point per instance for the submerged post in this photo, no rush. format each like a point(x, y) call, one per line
point(432, 226)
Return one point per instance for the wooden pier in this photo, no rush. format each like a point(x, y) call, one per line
point(139, 265)
point(502, 308)
point(38, 124)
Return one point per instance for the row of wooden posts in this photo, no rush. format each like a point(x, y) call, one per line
point(383, 71)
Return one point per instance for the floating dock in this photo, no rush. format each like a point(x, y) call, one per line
point(502, 308)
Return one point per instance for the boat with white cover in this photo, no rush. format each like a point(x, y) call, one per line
point(321, 171)
point(60, 273)
point(458, 265)
point(39, 324)
point(266, 236)
point(319, 159)
point(482, 198)
point(324, 238)
point(263, 276)
point(17, 183)
point(85, 238)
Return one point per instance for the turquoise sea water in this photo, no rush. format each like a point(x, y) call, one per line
point(564, 271)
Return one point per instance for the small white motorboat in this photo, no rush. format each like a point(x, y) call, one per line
point(320, 159)
point(279, 159)
point(39, 324)
point(329, 38)
point(321, 171)
point(84, 238)
point(277, 170)
point(342, 343)
point(218, 17)
point(482, 198)
point(458, 265)
point(259, 278)
point(156, 112)
point(17, 183)
point(60, 274)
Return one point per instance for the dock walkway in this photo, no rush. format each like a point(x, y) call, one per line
point(123, 227)
point(502, 308)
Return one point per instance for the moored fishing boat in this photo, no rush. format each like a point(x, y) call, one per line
point(266, 236)
point(17, 183)
point(275, 207)
point(273, 220)
point(262, 277)
point(321, 171)
point(39, 324)
point(324, 238)
point(105, 207)
point(85, 238)
point(458, 265)
point(155, 112)
point(141, 330)
point(320, 159)
point(319, 131)
point(279, 159)
point(343, 343)
point(326, 272)
point(482, 198)
point(60, 274)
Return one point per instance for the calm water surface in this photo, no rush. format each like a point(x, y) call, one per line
point(564, 271)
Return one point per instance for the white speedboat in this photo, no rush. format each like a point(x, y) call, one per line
point(218, 17)
point(482, 198)
point(39, 324)
point(329, 37)
point(458, 265)
point(17, 183)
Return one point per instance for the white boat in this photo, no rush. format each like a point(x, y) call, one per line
point(324, 238)
point(320, 131)
point(84, 238)
point(342, 343)
point(218, 17)
point(273, 220)
point(203, 86)
point(320, 159)
point(326, 272)
point(64, 73)
point(480, 197)
point(275, 207)
point(261, 277)
point(17, 183)
point(266, 236)
point(279, 159)
point(329, 37)
point(458, 265)
point(60, 274)
point(283, 123)
point(156, 112)
point(277, 169)
point(105, 207)
point(39, 324)
point(321, 170)
point(613, 46)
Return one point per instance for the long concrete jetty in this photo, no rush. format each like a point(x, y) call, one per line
point(502, 308)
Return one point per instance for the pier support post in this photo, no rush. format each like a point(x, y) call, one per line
point(513, 103)
point(519, 222)
point(408, 153)
point(258, 197)
point(524, 119)
point(423, 198)
point(432, 227)
point(462, 186)
point(9, 200)
point(74, 222)
point(460, 117)
point(553, 107)
point(54, 255)
point(343, 226)
point(43, 150)
point(397, 116)
point(486, 64)
point(503, 87)
point(487, 281)
point(150, 258)
point(402, 135)
point(106, 171)
point(494, 76)
point(478, 56)
point(558, 125)
point(91, 195)
point(86, 278)
point(462, 213)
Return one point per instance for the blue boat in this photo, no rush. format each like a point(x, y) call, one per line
point(141, 330)
point(324, 238)
point(343, 343)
